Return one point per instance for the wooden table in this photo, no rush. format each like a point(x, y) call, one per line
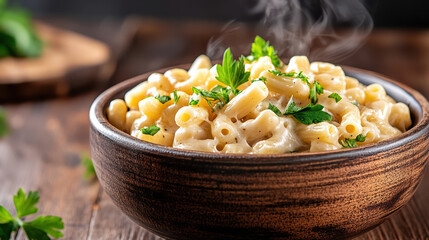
point(48, 137)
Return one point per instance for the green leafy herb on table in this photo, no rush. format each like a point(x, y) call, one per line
point(89, 167)
point(4, 129)
point(163, 99)
point(335, 96)
point(261, 48)
point(152, 130)
point(39, 229)
point(232, 73)
point(350, 143)
point(18, 37)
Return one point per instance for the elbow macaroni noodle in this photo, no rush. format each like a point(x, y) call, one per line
point(244, 124)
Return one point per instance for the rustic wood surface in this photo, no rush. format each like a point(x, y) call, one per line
point(47, 137)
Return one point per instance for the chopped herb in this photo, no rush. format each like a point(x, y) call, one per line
point(315, 90)
point(217, 97)
point(299, 75)
point(274, 109)
point(350, 143)
point(176, 97)
point(232, 73)
point(89, 167)
point(3, 123)
point(356, 103)
point(38, 229)
point(152, 130)
point(261, 48)
point(360, 138)
point(335, 96)
point(308, 114)
point(194, 102)
point(163, 99)
point(262, 79)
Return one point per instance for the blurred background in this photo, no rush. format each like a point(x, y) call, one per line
point(386, 13)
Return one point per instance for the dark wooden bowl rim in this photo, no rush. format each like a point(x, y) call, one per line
point(420, 115)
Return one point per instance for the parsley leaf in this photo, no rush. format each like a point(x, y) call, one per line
point(315, 90)
point(176, 97)
point(89, 167)
point(6, 230)
point(262, 79)
point(39, 229)
point(335, 96)
point(152, 130)
point(232, 73)
point(308, 114)
point(3, 123)
point(349, 143)
point(261, 48)
point(356, 103)
point(217, 97)
point(163, 99)
point(25, 205)
point(274, 109)
point(194, 102)
point(299, 75)
point(43, 226)
point(360, 138)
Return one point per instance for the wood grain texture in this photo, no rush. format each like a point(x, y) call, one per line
point(43, 153)
point(191, 195)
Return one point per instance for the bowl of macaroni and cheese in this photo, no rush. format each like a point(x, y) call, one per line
point(258, 149)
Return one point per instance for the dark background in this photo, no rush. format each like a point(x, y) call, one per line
point(386, 13)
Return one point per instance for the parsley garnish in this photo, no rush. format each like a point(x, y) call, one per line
point(3, 123)
point(308, 114)
point(89, 167)
point(261, 48)
point(356, 103)
point(232, 73)
point(176, 97)
point(274, 109)
point(299, 75)
point(217, 97)
point(163, 99)
point(335, 96)
point(38, 229)
point(194, 102)
point(262, 79)
point(314, 91)
point(349, 143)
point(152, 130)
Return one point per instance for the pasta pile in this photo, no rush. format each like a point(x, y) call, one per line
point(258, 105)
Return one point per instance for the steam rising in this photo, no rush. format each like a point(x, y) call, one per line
point(309, 28)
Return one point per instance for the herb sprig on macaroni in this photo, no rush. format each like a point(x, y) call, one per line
point(236, 106)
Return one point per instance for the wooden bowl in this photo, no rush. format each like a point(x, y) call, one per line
point(180, 194)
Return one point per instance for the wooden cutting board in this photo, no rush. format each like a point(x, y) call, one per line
point(69, 62)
